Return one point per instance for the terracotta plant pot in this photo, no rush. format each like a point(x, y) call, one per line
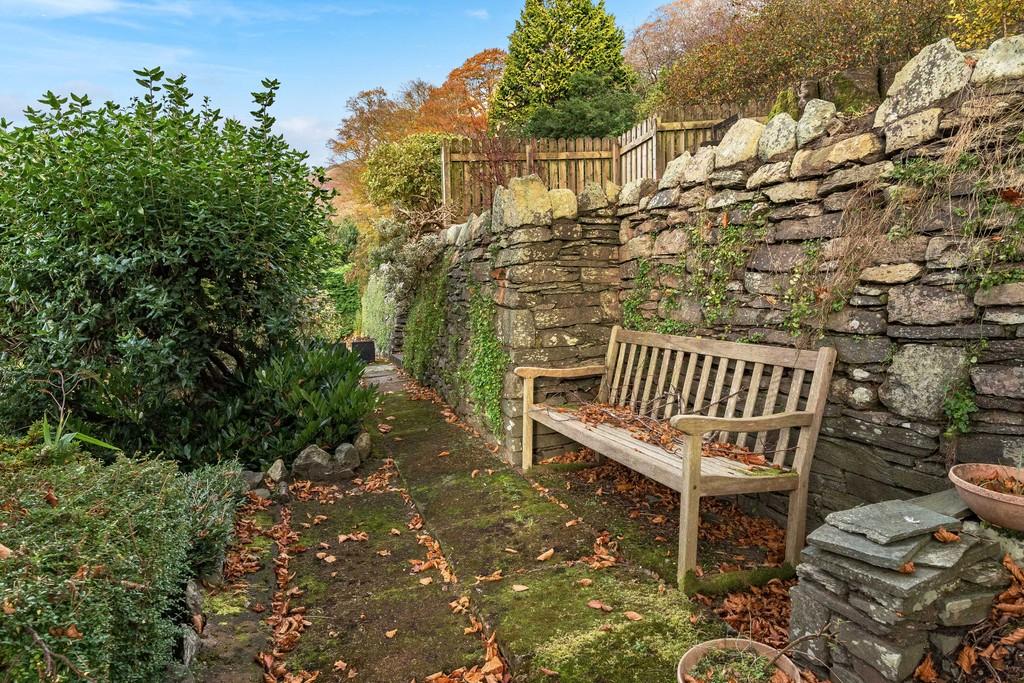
point(1002, 509)
point(697, 652)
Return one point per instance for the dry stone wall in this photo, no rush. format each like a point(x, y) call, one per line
point(893, 236)
point(896, 236)
point(548, 262)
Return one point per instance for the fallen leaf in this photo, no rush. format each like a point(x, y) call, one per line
point(907, 568)
point(8, 607)
point(925, 671)
point(391, 634)
point(51, 497)
point(1014, 638)
point(597, 604)
point(945, 536)
point(72, 632)
point(548, 672)
point(384, 428)
point(519, 588)
point(426, 581)
point(340, 665)
point(546, 555)
point(572, 522)
point(966, 659)
point(395, 532)
point(443, 454)
point(633, 616)
point(5, 552)
point(585, 582)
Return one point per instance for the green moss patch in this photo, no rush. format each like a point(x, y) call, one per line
point(551, 626)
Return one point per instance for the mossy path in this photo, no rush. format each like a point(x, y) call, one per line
point(434, 564)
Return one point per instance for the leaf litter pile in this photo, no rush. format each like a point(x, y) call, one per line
point(994, 649)
point(731, 538)
point(660, 433)
point(736, 666)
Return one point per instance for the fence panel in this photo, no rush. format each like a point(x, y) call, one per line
point(471, 169)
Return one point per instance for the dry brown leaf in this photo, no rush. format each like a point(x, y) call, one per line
point(426, 581)
point(391, 634)
point(945, 536)
point(925, 671)
point(5, 552)
point(907, 568)
point(966, 659)
point(8, 607)
point(546, 555)
point(597, 604)
point(519, 588)
point(585, 582)
point(633, 616)
point(340, 665)
point(1014, 638)
point(444, 454)
point(51, 497)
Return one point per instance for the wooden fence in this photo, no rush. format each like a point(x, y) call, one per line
point(471, 169)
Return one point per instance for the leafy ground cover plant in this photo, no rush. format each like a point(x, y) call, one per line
point(157, 250)
point(303, 394)
point(94, 559)
point(735, 666)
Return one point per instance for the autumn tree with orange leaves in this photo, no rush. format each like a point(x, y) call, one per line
point(461, 104)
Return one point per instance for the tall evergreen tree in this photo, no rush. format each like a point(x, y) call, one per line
point(554, 40)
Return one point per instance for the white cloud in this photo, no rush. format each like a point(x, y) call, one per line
point(481, 14)
point(307, 133)
point(59, 8)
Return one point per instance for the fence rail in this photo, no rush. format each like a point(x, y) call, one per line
point(471, 169)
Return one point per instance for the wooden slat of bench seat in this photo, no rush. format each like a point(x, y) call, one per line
point(752, 353)
point(719, 476)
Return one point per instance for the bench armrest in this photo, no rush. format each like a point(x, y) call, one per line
point(567, 373)
point(699, 424)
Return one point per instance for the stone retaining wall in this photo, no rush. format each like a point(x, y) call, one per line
point(549, 262)
point(861, 233)
point(896, 236)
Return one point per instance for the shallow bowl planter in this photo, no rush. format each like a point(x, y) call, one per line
point(697, 652)
point(1002, 509)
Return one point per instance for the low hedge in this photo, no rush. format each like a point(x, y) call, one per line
point(95, 559)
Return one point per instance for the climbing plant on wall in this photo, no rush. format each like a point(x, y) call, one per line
point(487, 362)
point(426, 321)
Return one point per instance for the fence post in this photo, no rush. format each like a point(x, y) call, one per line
point(530, 145)
point(446, 174)
point(616, 162)
point(656, 165)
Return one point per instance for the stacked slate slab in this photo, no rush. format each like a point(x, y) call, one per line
point(880, 621)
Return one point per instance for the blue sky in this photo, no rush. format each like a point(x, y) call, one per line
point(323, 52)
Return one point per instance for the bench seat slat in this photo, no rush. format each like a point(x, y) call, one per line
point(718, 475)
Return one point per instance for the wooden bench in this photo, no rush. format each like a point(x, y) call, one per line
point(766, 398)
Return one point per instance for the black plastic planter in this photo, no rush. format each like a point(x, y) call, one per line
point(365, 349)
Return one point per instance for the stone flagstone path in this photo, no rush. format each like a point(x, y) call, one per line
point(456, 567)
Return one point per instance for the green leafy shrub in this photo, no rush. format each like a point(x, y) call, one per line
point(212, 494)
point(425, 323)
point(95, 574)
point(157, 249)
point(306, 393)
point(345, 296)
point(593, 107)
point(406, 173)
point(379, 312)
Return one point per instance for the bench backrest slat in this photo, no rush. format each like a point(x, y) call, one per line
point(663, 375)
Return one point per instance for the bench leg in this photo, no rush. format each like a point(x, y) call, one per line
point(796, 523)
point(689, 510)
point(527, 423)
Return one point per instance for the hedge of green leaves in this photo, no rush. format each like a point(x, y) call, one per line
point(99, 556)
point(157, 249)
point(379, 312)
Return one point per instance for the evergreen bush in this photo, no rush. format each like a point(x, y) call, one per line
point(157, 250)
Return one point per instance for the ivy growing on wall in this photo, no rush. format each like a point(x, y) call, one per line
point(426, 321)
point(717, 260)
point(486, 363)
